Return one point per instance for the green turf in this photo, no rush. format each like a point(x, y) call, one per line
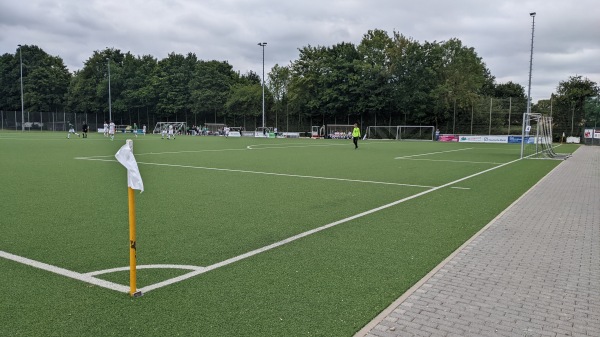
point(214, 198)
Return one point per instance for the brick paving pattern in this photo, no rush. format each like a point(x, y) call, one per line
point(535, 271)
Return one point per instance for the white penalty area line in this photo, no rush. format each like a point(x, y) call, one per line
point(157, 153)
point(265, 173)
point(89, 277)
point(270, 146)
point(249, 147)
point(453, 161)
point(430, 153)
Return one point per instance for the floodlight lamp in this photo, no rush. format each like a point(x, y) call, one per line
point(532, 14)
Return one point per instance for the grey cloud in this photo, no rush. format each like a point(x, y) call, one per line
point(566, 39)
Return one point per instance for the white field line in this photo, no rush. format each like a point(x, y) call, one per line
point(427, 154)
point(312, 231)
point(249, 147)
point(88, 277)
point(268, 146)
point(453, 161)
point(197, 270)
point(265, 173)
point(65, 272)
point(145, 266)
point(158, 153)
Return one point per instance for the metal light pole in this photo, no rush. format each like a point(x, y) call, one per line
point(22, 104)
point(527, 115)
point(530, 62)
point(454, 118)
point(263, 44)
point(109, 98)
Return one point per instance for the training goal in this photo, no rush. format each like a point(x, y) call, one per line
point(400, 132)
point(536, 141)
point(178, 127)
point(214, 129)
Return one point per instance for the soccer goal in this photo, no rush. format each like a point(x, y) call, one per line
point(536, 141)
point(400, 132)
point(214, 129)
point(339, 131)
point(178, 127)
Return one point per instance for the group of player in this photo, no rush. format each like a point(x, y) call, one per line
point(84, 130)
point(108, 130)
point(169, 132)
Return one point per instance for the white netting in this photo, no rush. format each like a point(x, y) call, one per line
point(400, 132)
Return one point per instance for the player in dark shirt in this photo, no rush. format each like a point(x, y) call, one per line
point(84, 128)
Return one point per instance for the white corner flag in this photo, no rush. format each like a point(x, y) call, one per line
point(126, 158)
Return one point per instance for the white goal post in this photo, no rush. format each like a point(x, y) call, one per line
point(536, 141)
point(177, 127)
point(401, 132)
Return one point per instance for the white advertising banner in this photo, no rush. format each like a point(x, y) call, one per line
point(483, 139)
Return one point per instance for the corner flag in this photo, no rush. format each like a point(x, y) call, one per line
point(134, 181)
point(126, 158)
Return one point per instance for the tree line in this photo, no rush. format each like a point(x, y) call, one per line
point(384, 80)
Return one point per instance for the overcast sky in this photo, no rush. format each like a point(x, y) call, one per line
point(566, 42)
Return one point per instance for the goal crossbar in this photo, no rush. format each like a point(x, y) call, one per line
point(401, 132)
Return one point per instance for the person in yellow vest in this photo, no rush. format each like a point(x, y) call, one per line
point(355, 135)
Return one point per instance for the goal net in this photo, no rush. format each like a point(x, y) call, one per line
point(537, 137)
point(400, 132)
point(178, 127)
point(214, 128)
point(339, 131)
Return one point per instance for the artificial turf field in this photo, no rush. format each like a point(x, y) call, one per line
point(235, 236)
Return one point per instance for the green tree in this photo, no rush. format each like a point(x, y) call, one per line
point(10, 92)
point(45, 80)
point(569, 117)
point(210, 87)
point(463, 76)
point(172, 85)
point(374, 84)
point(508, 90)
point(278, 85)
point(88, 90)
point(412, 74)
point(245, 100)
point(306, 85)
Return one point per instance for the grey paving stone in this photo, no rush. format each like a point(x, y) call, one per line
point(533, 272)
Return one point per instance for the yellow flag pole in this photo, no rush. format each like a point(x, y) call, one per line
point(132, 249)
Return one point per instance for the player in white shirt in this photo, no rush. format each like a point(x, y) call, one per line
point(170, 132)
point(105, 129)
point(71, 130)
point(144, 129)
point(111, 130)
point(163, 132)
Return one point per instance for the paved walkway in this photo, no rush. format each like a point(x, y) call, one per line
point(533, 271)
